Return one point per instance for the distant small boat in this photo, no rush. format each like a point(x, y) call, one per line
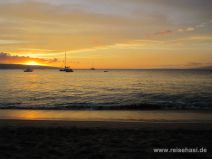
point(106, 71)
point(66, 69)
point(28, 70)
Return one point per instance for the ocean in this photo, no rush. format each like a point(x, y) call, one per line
point(89, 89)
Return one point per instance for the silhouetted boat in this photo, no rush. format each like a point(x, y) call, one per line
point(106, 71)
point(66, 69)
point(28, 70)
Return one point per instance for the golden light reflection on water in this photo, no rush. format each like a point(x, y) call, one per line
point(29, 115)
point(51, 88)
point(105, 115)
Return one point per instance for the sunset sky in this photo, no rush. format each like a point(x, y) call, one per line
point(107, 33)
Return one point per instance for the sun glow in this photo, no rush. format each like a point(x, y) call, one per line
point(32, 63)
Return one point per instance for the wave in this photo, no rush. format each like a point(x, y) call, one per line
point(107, 106)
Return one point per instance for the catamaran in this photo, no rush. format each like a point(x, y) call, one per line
point(66, 68)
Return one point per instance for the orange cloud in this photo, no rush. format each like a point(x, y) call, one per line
point(9, 59)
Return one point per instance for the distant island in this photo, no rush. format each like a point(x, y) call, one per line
point(20, 66)
point(205, 68)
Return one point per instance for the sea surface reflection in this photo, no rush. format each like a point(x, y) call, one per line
point(54, 89)
point(82, 115)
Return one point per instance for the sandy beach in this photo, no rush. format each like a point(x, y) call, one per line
point(102, 139)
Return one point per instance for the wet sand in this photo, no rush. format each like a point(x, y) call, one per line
point(109, 115)
point(123, 139)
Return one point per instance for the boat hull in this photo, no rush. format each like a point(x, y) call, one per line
point(66, 70)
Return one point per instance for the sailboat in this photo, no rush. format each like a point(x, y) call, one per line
point(66, 68)
point(29, 69)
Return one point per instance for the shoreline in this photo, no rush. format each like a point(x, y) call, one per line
point(109, 115)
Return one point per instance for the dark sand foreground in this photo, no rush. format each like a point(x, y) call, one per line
point(99, 139)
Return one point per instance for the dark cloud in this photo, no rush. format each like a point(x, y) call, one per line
point(7, 58)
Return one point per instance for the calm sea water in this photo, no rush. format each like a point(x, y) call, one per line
point(54, 89)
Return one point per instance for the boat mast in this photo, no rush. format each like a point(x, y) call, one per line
point(65, 59)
